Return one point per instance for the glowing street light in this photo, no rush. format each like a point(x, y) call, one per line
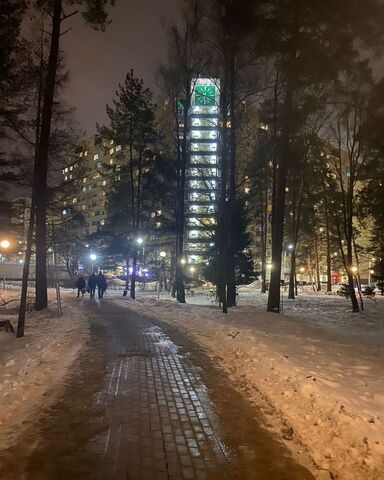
point(183, 261)
point(192, 269)
point(354, 269)
point(302, 269)
point(5, 244)
point(163, 254)
point(140, 241)
point(93, 257)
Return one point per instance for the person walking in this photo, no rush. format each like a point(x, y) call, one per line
point(101, 284)
point(80, 285)
point(92, 284)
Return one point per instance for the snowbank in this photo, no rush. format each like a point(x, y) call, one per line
point(32, 368)
point(322, 388)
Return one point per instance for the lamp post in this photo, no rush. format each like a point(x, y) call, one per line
point(370, 271)
point(93, 257)
point(140, 242)
point(163, 273)
point(4, 244)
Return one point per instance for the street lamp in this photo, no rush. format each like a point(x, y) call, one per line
point(4, 244)
point(370, 271)
point(93, 257)
point(140, 241)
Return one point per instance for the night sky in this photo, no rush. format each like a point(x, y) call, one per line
point(98, 61)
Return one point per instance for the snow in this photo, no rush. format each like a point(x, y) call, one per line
point(32, 368)
point(316, 369)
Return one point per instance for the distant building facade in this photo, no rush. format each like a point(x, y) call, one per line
point(94, 164)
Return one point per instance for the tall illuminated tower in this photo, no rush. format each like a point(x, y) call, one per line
point(203, 173)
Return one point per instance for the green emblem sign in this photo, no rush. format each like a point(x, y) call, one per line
point(205, 95)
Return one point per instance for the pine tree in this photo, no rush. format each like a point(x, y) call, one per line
point(132, 126)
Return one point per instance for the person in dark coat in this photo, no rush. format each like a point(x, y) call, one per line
point(92, 284)
point(80, 285)
point(101, 284)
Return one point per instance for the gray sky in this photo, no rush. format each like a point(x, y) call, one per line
point(98, 61)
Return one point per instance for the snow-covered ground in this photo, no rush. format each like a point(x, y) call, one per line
point(32, 368)
point(317, 368)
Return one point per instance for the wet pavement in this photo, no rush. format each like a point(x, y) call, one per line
point(145, 403)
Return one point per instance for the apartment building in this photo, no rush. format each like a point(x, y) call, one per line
point(203, 171)
point(96, 160)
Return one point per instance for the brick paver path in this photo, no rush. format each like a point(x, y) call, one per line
point(136, 407)
point(161, 422)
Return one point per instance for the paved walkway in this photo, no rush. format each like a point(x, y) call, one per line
point(161, 420)
point(162, 423)
point(145, 403)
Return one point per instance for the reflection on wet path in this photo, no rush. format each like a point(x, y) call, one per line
point(161, 422)
point(138, 409)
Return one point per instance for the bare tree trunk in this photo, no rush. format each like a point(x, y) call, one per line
point(316, 248)
point(41, 180)
point(328, 246)
point(27, 261)
point(358, 278)
point(133, 276)
point(127, 277)
point(231, 276)
point(279, 205)
point(183, 157)
point(223, 210)
point(263, 236)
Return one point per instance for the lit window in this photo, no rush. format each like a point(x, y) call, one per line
point(102, 222)
point(66, 178)
point(85, 153)
point(111, 161)
point(247, 189)
point(96, 156)
point(104, 183)
point(111, 142)
point(66, 170)
point(82, 207)
point(118, 148)
point(81, 154)
point(111, 151)
point(99, 165)
point(85, 180)
point(64, 211)
point(74, 200)
point(84, 189)
point(71, 168)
